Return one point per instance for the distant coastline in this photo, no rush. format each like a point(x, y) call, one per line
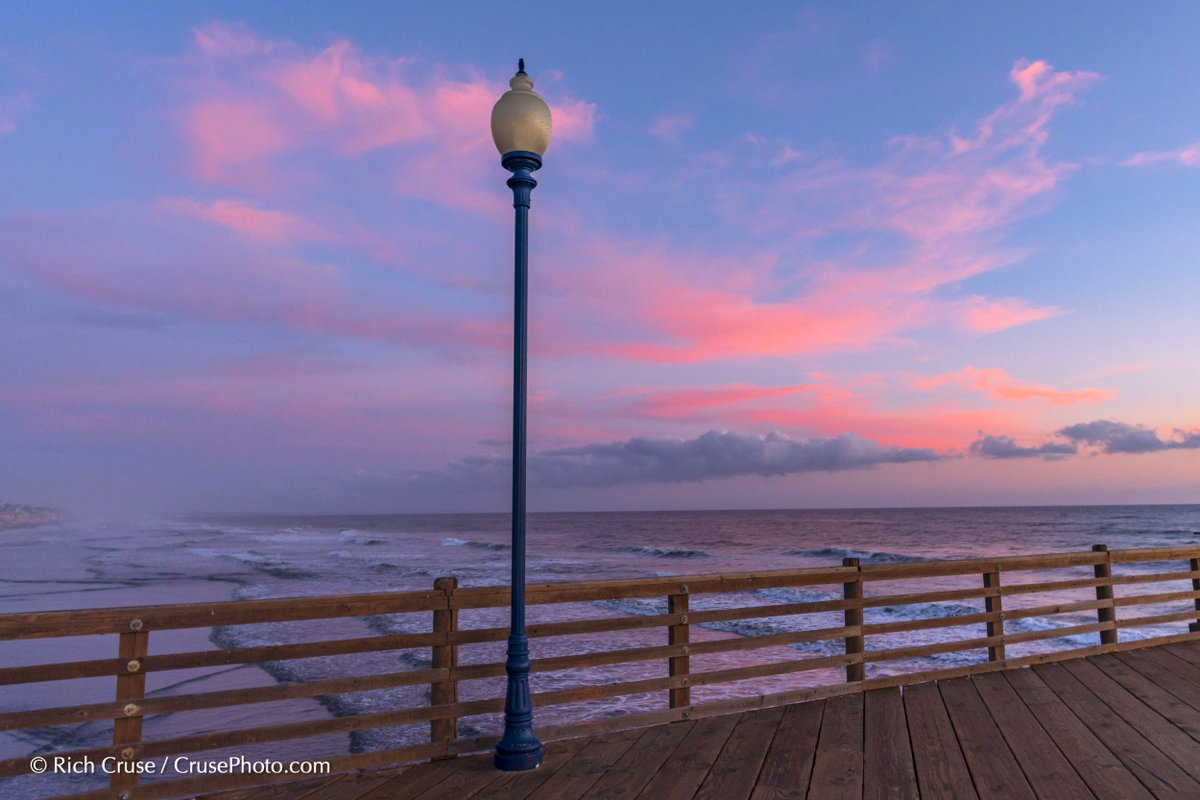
point(14, 516)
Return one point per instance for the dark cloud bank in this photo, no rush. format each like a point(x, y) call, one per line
point(716, 454)
point(1106, 435)
point(724, 454)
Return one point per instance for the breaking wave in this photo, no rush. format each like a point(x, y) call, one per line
point(451, 541)
point(865, 556)
point(661, 552)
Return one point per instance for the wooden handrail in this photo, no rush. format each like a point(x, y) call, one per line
point(692, 655)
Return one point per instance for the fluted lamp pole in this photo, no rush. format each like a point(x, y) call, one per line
point(521, 129)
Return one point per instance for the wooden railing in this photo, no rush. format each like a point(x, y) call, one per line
point(681, 665)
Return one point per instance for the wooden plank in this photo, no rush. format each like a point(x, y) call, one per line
point(586, 591)
point(1182, 670)
point(888, 772)
point(1188, 652)
point(1183, 750)
point(581, 771)
point(1106, 612)
point(1047, 770)
point(1194, 565)
point(131, 691)
point(679, 636)
point(640, 764)
point(1147, 554)
point(1176, 671)
point(1155, 619)
point(1171, 698)
point(473, 775)
point(942, 772)
point(444, 657)
point(688, 766)
point(351, 787)
point(787, 768)
point(299, 789)
point(838, 766)
point(994, 770)
point(852, 593)
point(967, 566)
point(204, 615)
point(1156, 577)
point(216, 658)
point(1105, 774)
point(1162, 776)
point(519, 785)
point(736, 769)
point(415, 780)
point(995, 605)
point(254, 787)
point(66, 715)
point(1157, 597)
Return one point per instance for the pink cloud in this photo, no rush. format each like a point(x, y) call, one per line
point(825, 407)
point(246, 218)
point(999, 385)
point(573, 120)
point(263, 101)
point(233, 137)
point(180, 270)
point(941, 204)
point(980, 315)
point(229, 39)
point(669, 127)
point(690, 402)
point(1188, 156)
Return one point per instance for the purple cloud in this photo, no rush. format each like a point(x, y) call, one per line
point(715, 454)
point(1119, 437)
point(1006, 447)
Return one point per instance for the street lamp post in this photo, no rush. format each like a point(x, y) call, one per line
point(521, 130)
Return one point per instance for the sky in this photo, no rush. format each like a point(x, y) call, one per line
point(258, 256)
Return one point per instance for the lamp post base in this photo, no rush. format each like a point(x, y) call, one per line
point(518, 761)
point(519, 748)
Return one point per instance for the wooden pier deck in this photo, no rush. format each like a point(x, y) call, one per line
point(1119, 726)
point(1051, 676)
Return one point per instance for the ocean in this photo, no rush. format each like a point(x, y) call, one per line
point(204, 559)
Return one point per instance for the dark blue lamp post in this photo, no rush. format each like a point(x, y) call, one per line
point(521, 129)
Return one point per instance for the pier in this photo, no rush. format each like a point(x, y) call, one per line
point(1000, 706)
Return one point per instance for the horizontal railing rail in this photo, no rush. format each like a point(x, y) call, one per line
point(685, 650)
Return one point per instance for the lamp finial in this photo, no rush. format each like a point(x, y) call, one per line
point(520, 65)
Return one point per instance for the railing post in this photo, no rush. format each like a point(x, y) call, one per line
point(132, 647)
point(1194, 563)
point(680, 666)
point(445, 656)
point(1104, 592)
point(853, 616)
point(994, 604)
